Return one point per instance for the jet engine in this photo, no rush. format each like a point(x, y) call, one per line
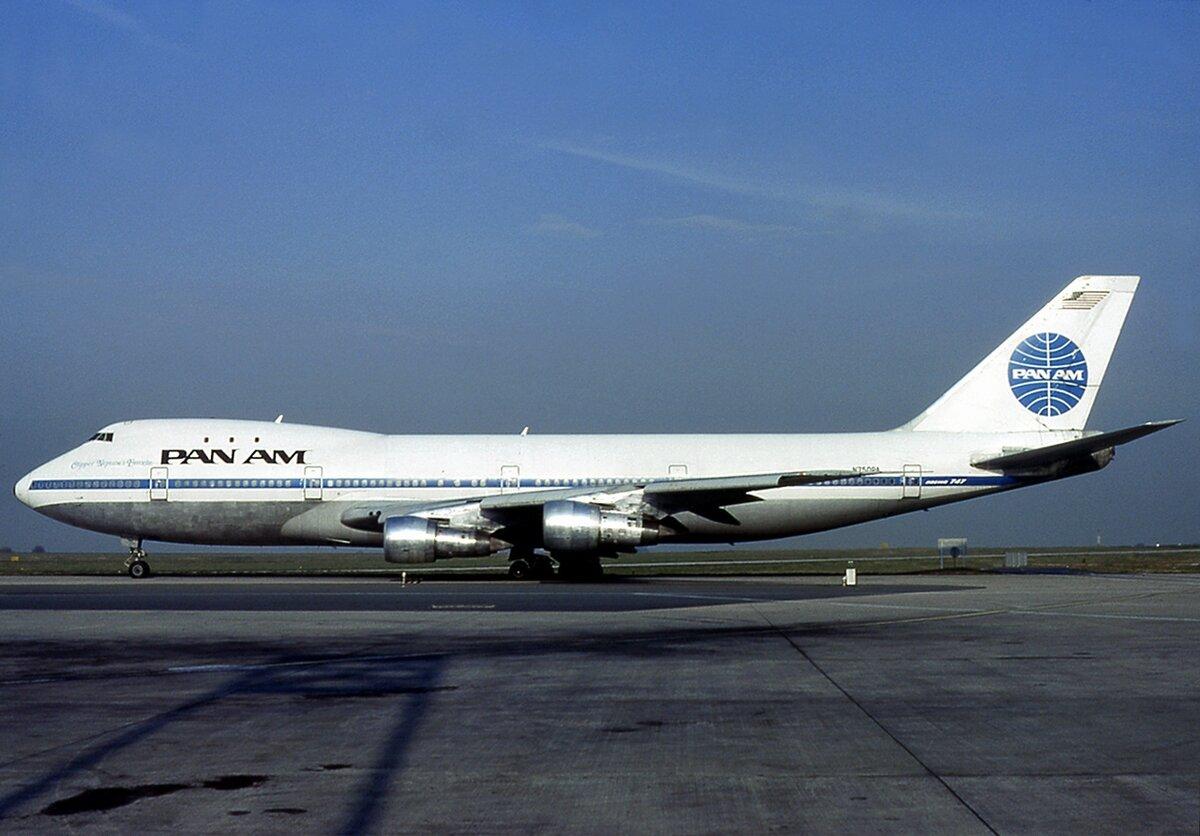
point(569, 526)
point(418, 540)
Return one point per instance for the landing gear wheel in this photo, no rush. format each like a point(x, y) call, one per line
point(519, 569)
point(543, 567)
point(136, 564)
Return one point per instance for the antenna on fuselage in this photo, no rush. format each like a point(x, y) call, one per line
point(525, 431)
point(279, 418)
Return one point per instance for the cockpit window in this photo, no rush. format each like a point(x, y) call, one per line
point(101, 437)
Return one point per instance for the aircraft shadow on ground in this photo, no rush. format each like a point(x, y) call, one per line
point(404, 684)
point(409, 680)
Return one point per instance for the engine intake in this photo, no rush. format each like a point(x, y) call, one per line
point(418, 540)
point(578, 527)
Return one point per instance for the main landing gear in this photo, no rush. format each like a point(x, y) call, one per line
point(528, 565)
point(581, 568)
point(136, 564)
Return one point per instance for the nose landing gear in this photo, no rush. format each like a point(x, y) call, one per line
point(136, 564)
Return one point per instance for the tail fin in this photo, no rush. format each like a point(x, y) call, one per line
point(1046, 375)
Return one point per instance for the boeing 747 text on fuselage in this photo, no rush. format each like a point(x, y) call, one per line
point(1016, 419)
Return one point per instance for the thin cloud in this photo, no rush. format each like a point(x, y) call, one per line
point(127, 23)
point(731, 226)
point(558, 225)
point(691, 175)
point(866, 203)
point(886, 206)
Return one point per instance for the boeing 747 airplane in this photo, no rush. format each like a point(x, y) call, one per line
point(1016, 419)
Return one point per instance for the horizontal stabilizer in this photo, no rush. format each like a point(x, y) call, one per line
point(1067, 450)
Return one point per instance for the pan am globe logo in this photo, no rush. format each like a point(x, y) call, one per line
point(1047, 374)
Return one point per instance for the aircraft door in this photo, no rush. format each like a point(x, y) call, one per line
point(510, 478)
point(911, 482)
point(313, 482)
point(158, 483)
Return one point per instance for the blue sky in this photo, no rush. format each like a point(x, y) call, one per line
point(612, 217)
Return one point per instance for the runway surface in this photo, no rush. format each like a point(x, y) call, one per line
point(964, 703)
point(614, 595)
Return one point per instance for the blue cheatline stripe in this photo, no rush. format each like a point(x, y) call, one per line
point(88, 484)
point(868, 481)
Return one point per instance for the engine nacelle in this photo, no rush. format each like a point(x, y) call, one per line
point(578, 527)
point(418, 540)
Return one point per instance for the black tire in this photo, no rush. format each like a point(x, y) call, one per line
point(519, 569)
point(139, 569)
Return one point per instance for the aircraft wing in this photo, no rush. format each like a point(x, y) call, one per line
point(369, 515)
point(499, 504)
point(674, 493)
point(1040, 457)
point(667, 495)
point(728, 490)
point(499, 507)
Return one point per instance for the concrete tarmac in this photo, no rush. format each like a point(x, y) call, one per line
point(981, 703)
point(618, 594)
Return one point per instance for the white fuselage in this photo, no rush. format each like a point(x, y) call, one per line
point(1017, 415)
point(262, 483)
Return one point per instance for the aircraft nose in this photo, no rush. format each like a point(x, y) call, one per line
point(21, 489)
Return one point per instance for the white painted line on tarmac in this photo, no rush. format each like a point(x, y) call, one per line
point(1109, 615)
point(897, 606)
point(1183, 619)
point(703, 597)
